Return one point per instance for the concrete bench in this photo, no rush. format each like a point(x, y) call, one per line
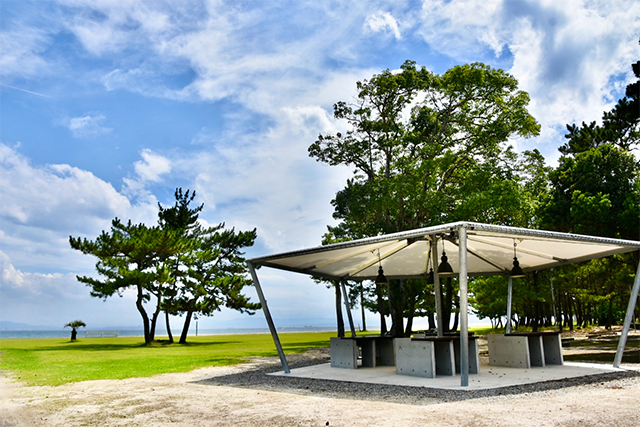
point(525, 349)
point(415, 357)
point(375, 351)
point(428, 356)
point(101, 333)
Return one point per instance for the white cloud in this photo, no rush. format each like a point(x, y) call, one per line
point(152, 166)
point(150, 170)
point(60, 298)
point(88, 126)
point(567, 55)
point(382, 22)
point(21, 52)
point(43, 205)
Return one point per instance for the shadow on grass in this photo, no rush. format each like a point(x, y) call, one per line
point(629, 356)
point(126, 346)
point(602, 350)
point(299, 347)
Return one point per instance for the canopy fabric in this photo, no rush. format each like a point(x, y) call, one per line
point(490, 251)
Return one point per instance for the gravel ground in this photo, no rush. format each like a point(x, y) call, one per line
point(257, 379)
point(244, 396)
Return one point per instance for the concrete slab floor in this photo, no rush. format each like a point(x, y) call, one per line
point(488, 378)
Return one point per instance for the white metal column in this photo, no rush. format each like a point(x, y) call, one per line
point(267, 315)
point(347, 306)
point(509, 297)
point(627, 320)
point(464, 308)
point(436, 284)
point(553, 301)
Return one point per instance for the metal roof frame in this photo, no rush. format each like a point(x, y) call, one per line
point(481, 250)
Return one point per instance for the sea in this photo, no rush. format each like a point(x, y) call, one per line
point(66, 333)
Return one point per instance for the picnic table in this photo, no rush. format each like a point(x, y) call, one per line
point(428, 355)
point(525, 349)
point(375, 351)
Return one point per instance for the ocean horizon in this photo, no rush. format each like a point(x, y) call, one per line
point(66, 333)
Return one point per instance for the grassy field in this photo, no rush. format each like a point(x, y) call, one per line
point(56, 361)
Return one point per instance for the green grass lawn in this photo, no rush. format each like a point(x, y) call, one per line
point(56, 361)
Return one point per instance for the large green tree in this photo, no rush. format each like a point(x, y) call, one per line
point(596, 184)
point(131, 256)
point(183, 267)
point(182, 219)
point(214, 275)
point(427, 149)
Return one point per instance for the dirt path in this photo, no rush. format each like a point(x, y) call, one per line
point(183, 399)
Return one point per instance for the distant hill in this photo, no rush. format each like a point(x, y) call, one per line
point(17, 326)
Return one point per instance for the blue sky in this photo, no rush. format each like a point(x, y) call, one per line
point(106, 106)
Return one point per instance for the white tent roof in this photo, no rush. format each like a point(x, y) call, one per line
point(407, 254)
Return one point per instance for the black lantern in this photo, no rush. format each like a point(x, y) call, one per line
point(516, 271)
point(381, 279)
point(444, 269)
point(430, 278)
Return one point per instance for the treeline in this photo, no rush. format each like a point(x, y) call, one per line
point(429, 149)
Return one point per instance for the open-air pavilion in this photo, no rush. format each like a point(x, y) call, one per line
point(471, 249)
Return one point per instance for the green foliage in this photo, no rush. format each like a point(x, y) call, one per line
point(595, 192)
point(429, 149)
point(75, 324)
point(187, 268)
point(55, 362)
point(131, 255)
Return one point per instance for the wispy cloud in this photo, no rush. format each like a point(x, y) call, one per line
point(382, 22)
point(22, 49)
point(88, 126)
point(25, 90)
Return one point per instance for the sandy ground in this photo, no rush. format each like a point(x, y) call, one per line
point(204, 398)
point(191, 399)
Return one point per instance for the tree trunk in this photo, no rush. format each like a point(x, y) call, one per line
point(409, 327)
point(166, 319)
point(74, 334)
point(383, 323)
point(447, 305)
point(456, 318)
point(432, 320)
point(339, 318)
point(570, 314)
point(185, 327)
point(395, 309)
point(154, 317)
point(145, 319)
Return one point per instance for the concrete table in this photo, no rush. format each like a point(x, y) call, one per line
point(525, 349)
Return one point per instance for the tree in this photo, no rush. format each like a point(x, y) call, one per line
point(427, 149)
point(131, 255)
point(594, 190)
point(214, 274)
point(74, 328)
point(186, 268)
point(182, 219)
point(596, 184)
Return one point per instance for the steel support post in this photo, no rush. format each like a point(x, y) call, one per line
point(347, 306)
point(553, 301)
point(267, 315)
point(509, 297)
point(464, 307)
point(436, 285)
point(627, 320)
